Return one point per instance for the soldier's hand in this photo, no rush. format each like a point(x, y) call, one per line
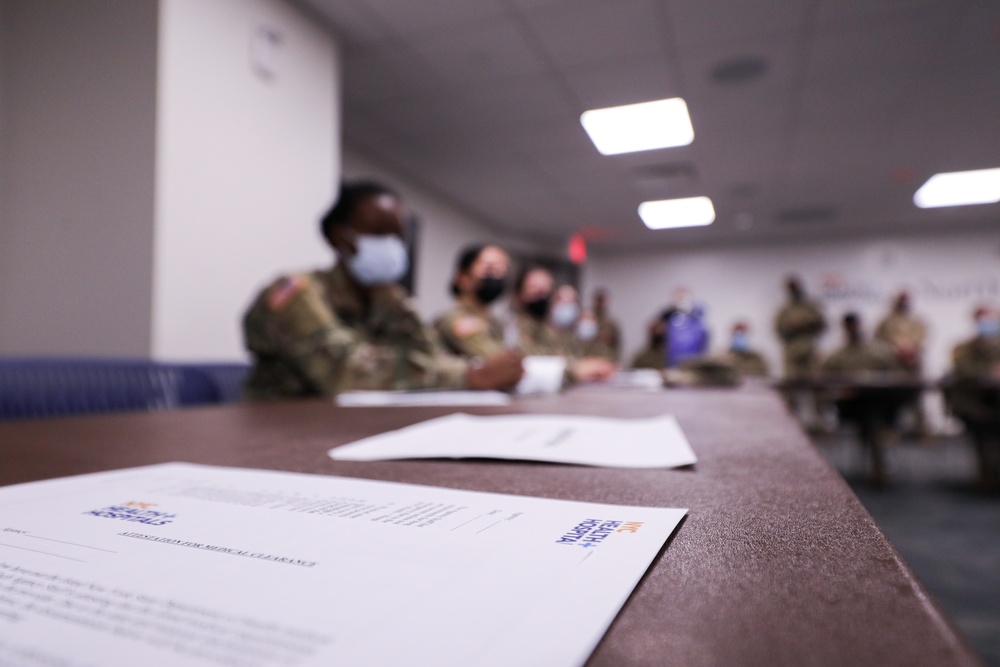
point(500, 371)
point(590, 369)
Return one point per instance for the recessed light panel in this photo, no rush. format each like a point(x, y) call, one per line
point(672, 213)
point(959, 188)
point(639, 127)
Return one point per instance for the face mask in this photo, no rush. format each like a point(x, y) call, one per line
point(988, 328)
point(489, 289)
point(740, 342)
point(380, 260)
point(538, 308)
point(564, 314)
point(586, 330)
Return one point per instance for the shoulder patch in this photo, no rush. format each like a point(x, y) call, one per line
point(283, 291)
point(468, 325)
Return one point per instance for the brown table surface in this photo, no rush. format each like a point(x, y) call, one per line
point(776, 564)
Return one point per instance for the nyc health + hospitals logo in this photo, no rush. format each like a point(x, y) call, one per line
point(589, 533)
point(135, 512)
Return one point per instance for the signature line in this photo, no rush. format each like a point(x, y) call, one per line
point(2, 544)
point(85, 546)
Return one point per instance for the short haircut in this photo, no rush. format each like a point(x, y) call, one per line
point(351, 192)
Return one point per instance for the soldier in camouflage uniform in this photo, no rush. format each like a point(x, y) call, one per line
point(799, 324)
point(608, 341)
point(654, 355)
point(469, 329)
point(536, 336)
point(746, 360)
point(351, 327)
point(905, 334)
point(974, 394)
point(862, 378)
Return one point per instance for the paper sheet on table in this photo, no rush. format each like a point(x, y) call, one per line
point(186, 565)
point(357, 399)
point(658, 442)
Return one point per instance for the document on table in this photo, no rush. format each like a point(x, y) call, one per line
point(657, 442)
point(360, 399)
point(179, 564)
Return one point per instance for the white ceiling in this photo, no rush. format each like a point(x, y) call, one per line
point(859, 102)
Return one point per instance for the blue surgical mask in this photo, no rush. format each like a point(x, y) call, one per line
point(379, 260)
point(740, 342)
point(988, 328)
point(564, 314)
point(586, 330)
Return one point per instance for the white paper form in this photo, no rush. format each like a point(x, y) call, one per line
point(656, 442)
point(186, 565)
point(364, 399)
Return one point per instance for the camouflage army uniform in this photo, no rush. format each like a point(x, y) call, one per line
point(857, 361)
point(650, 357)
point(540, 338)
point(898, 329)
point(799, 324)
point(313, 335)
point(597, 348)
point(469, 333)
point(975, 360)
point(607, 343)
point(747, 362)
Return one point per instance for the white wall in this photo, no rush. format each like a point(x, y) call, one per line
point(246, 163)
point(947, 274)
point(76, 172)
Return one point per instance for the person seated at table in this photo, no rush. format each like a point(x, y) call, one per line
point(973, 392)
point(470, 329)
point(745, 359)
point(858, 358)
point(654, 355)
point(578, 329)
point(607, 342)
point(868, 386)
point(533, 334)
point(854, 364)
point(686, 333)
point(564, 315)
point(351, 327)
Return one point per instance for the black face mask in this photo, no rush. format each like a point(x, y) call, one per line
point(538, 308)
point(489, 289)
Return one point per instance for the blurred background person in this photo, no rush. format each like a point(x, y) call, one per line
point(470, 329)
point(865, 397)
point(905, 334)
point(685, 332)
point(608, 340)
point(799, 324)
point(655, 353)
point(531, 332)
point(565, 316)
point(746, 360)
point(974, 392)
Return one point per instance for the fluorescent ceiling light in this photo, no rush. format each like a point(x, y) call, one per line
point(959, 188)
point(639, 127)
point(672, 213)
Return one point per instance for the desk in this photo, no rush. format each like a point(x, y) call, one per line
point(871, 405)
point(777, 563)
